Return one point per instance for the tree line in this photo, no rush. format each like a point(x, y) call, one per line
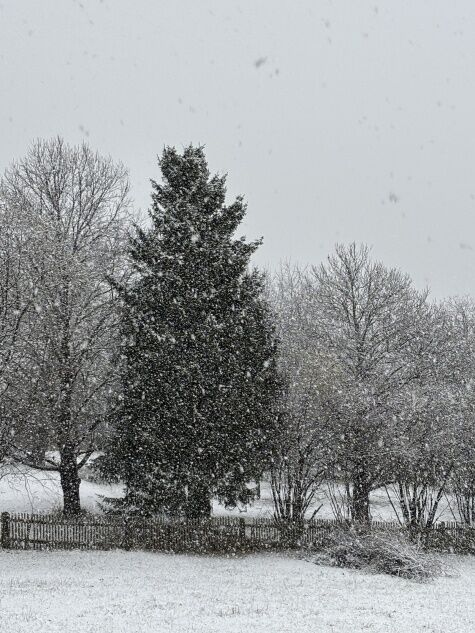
point(194, 373)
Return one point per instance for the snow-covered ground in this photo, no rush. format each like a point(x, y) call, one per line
point(27, 490)
point(137, 591)
point(144, 592)
point(381, 508)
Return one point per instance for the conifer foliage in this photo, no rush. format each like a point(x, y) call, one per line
point(198, 354)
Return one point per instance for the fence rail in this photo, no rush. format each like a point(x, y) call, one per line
point(103, 532)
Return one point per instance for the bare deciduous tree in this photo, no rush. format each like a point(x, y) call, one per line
point(15, 300)
point(369, 319)
point(73, 205)
point(436, 420)
point(302, 444)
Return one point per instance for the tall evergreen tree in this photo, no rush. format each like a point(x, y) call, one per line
point(198, 355)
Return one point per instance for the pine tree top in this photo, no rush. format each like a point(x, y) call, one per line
point(190, 220)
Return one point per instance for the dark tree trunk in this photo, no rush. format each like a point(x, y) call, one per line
point(198, 504)
point(68, 468)
point(70, 481)
point(360, 499)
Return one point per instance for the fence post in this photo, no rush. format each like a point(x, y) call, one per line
point(127, 542)
point(5, 539)
point(242, 530)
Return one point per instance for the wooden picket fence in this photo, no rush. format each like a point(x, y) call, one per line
point(104, 532)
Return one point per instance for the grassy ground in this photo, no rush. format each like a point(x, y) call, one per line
point(159, 593)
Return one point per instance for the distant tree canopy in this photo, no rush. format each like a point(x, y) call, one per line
point(378, 390)
point(196, 373)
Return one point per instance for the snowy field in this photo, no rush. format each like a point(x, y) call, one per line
point(137, 591)
point(26, 490)
point(144, 592)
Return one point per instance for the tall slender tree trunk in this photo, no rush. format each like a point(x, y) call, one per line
point(361, 479)
point(68, 469)
point(70, 480)
point(360, 506)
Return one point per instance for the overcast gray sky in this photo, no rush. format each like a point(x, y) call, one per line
point(338, 121)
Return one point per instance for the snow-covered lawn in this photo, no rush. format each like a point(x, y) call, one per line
point(25, 489)
point(145, 592)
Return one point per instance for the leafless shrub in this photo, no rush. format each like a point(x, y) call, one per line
point(383, 553)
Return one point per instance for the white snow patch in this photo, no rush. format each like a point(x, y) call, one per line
point(25, 489)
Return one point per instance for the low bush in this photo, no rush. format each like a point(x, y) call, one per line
point(380, 552)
